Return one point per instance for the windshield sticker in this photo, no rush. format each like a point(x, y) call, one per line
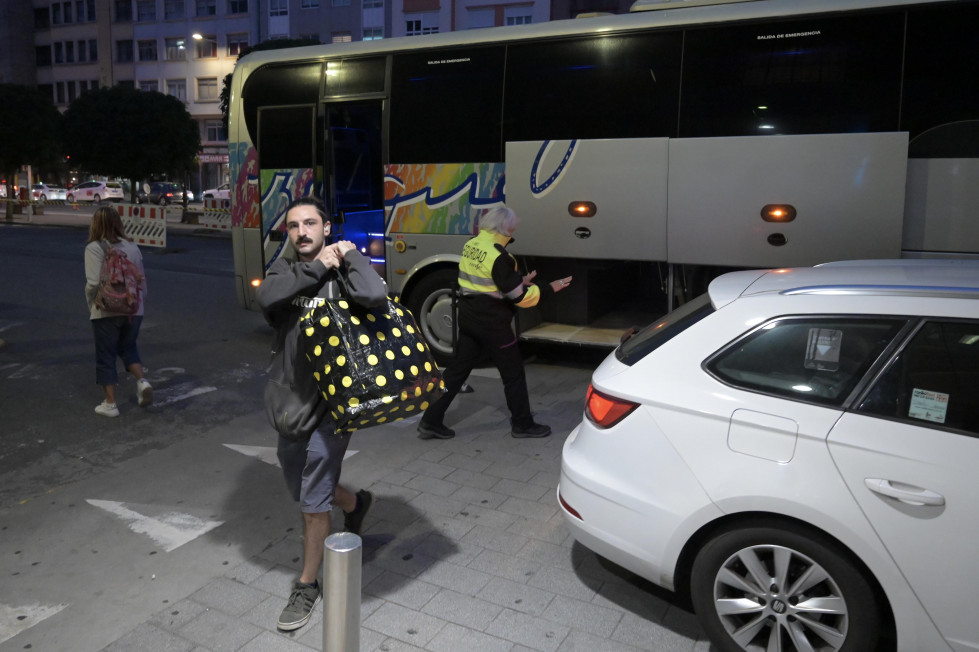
point(823, 349)
point(928, 405)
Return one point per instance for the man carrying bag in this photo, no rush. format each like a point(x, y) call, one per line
point(309, 450)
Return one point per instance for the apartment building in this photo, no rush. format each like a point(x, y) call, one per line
point(185, 48)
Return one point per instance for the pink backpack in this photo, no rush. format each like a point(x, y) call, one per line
point(119, 282)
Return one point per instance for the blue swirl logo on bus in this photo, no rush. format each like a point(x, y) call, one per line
point(540, 189)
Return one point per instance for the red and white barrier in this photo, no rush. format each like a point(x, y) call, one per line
point(146, 225)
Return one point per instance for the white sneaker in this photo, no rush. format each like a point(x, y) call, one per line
point(144, 392)
point(107, 409)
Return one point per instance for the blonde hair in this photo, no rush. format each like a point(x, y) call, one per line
point(106, 225)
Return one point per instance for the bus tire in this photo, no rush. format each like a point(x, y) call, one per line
point(430, 302)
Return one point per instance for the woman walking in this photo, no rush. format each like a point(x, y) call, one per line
point(115, 333)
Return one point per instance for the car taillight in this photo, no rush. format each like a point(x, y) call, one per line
point(606, 411)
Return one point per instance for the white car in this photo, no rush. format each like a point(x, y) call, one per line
point(796, 451)
point(44, 192)
point(96, 191)
point(221, 192)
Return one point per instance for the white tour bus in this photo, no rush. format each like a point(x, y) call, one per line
point(644, 153)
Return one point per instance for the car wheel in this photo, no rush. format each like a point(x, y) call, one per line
point(70, 198)
point(782, 587)
point(430, 304)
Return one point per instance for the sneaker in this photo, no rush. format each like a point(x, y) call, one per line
point(533, 430)
point(303, 600)
point(436, 431)
point(144, 392)
point(107, 409)
point(353, 521)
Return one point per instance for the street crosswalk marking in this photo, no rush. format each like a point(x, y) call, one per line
point(267, 453)
point(169, 531)
point(14, 620)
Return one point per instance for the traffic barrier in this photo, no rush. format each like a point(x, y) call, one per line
point(145, 225)
point(216, 215)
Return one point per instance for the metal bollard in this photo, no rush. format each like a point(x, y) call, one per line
point(342, 554)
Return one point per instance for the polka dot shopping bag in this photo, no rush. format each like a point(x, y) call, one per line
point(371, 364)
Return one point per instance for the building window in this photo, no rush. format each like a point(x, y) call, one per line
point(56, 14)
point(82, 51)
point(237, 6)
point(309, 4)
point(59, 52)
point(341, 37)
point(518, 20)
point(278, 8)
point(177, 88)
point(147, 50)
point(145, 10)
point(424, 24)
point(173, 9)
point(236, 44)
point(67, 10)
point(90, 10)
point(124, 11)
point(42, 55)
point(124, 51)
point(149, 85)
point(69, 52)
point(207, 89)
point(373, 4)
point(59, 89)
point(207, 7)
point(80, 11)
point(214, 131)
point(93, 50)
point(176, 49)
point(72, 94)
point(42, 18)
point(373, 33)
point(207, 47)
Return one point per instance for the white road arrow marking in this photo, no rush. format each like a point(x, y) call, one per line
point(169, 531)
point(14, 620)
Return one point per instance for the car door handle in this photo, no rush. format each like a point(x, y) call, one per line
point(905, 493)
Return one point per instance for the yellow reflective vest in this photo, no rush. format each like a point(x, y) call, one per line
point(488, 269)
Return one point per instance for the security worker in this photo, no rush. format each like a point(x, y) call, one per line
point(491, 289)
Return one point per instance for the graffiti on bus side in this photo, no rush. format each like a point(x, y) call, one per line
point(440, 198)
point(279, 188)
point(245, 209)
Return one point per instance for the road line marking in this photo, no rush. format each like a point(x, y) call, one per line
point(268, 454)
point(169, 531)
point(14, 620)
point(197, 391)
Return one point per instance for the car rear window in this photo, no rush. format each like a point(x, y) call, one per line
point(662, 331)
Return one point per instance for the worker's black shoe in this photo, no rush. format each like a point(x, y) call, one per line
point(434, 431)
point(533, 430)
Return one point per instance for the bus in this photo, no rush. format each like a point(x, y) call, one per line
point(645, 153)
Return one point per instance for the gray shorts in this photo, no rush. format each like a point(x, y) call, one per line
point(312, 468)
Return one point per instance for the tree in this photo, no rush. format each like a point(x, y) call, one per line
point(30, 132)
point(131, 134)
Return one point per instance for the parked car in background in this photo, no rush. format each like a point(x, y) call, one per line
point(96, 191)
point(162, 193)
point(44, 192)
point(221, 192)
point(795, 451)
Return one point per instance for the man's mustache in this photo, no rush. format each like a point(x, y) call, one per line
point(304, 240)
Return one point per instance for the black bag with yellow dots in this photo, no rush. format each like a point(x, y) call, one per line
point(370, 363)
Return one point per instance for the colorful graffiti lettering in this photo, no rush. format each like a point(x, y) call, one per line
point(440, 198)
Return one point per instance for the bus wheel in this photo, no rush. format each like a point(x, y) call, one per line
point(430, 302)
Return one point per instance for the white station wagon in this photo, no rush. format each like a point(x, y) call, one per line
point(797, 452)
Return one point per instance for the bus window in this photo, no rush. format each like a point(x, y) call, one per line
point(354, 77)
point(286, 137)
point(446, 106)
point(601, 87)
point(811, 76)
point(278, 85)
